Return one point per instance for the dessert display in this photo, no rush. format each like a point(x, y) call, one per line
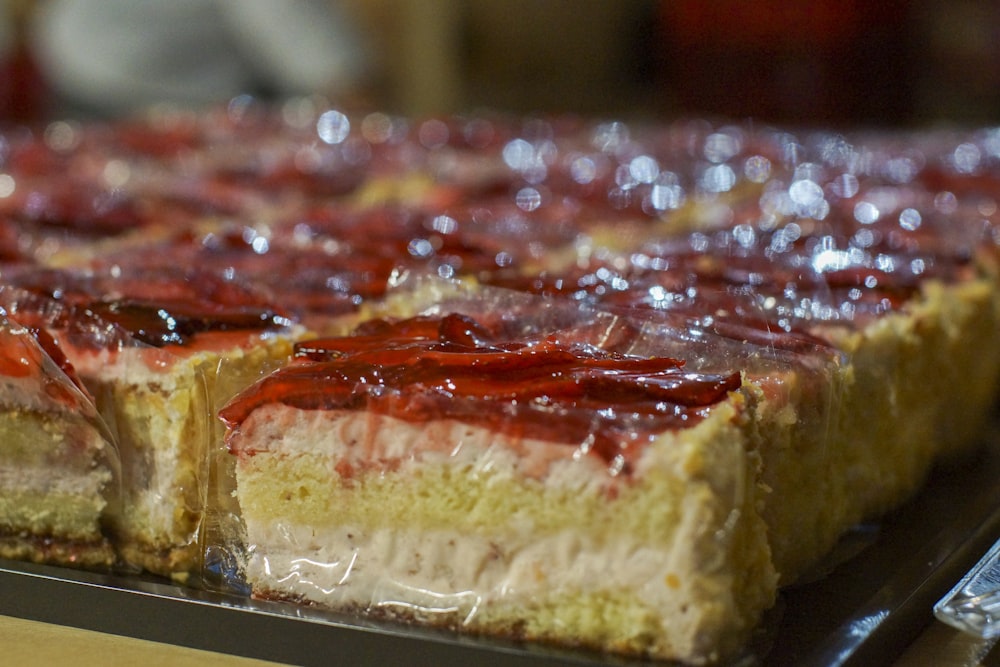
point(577, 383)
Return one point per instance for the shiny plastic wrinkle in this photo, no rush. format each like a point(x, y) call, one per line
point(58, 454)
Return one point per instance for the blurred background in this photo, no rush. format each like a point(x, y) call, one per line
point(825, 62)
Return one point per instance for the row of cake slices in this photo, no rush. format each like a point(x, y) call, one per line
point(773, 437)
point(173, 169)
point(770, 475)
point(839, 307)
point(495, 391)
point(471, 469)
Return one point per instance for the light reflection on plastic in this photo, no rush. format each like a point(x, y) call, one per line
point(239, 105)
point(835, 150)
point(348, 569)
point(518, 154)
point(333, 127)
point(991, 142)
point(806, 193)
point(432, 602)
point(901, 170)
point(830, 260)
point(624, 178)
point(757, 168)
point(376, 128)
point(62, 136)
point(297, 567)
point(792, 151)
point(583, 170)
point(845, 186)
point(946, 202)
point(433, 133)
point(718, 178)
point(866, 213)
point(609, 137)
point(720, 146)
point(7, 185)
point(745, 235)
point(528, 199)
point(966, 158)
point(260, 245)
point(617, 465)
point(444, 224)
point(698, 241)
point(116, 173)
point(864, 238)
point(665, 197)
point(644, 169)
point(909, 219)
point(885, 263)
point(420, 248)
point(658, 294)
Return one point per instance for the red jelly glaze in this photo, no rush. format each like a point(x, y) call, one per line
point(452, 367)
point(154, 308)
point(22, 354)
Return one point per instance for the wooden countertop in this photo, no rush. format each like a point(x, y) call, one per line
point(32, 643)
point(942, 646)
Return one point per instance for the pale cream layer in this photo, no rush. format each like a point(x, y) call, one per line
point(54, 481)
point(371, 440)
point(435, 572)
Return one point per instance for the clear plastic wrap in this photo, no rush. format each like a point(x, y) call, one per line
point(612, 500)
point(159, 353)
point(59, 468)
point(819, 290)
point(833, 285)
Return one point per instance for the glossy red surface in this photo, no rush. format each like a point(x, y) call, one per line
point(454, 368)
point(155, 309)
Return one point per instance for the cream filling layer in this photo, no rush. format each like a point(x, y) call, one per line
point(53, 481)
point(446, 572)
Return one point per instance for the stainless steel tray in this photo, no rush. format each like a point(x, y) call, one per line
point(874, 599)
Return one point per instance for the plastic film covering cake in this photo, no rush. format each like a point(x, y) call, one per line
point(847, 260)
point(897, 278)
point(845, 280)
point(365, 471)
point(58, 466)
point(524, 469)
point(159, 352)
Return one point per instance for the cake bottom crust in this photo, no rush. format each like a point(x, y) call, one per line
point(96, 554)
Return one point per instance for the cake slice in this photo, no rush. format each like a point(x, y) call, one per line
point(58, 468)
point(159, 352)
point(502, 480)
